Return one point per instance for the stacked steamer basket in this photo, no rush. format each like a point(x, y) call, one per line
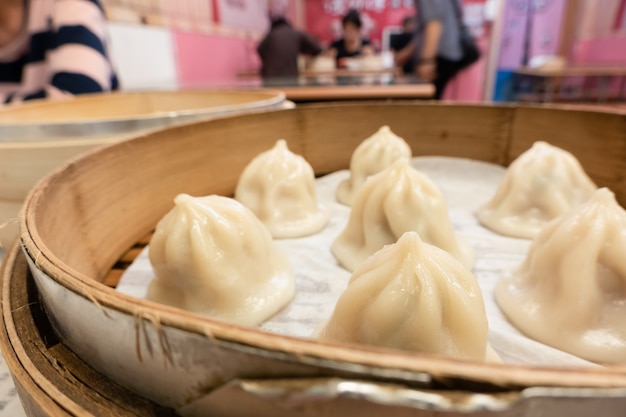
point(80, 220)
point(49, 378)
point(38, 136)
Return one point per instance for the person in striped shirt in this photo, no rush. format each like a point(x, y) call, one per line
point(53, 48)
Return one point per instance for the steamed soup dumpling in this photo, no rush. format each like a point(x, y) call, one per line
point(540, 185)
point(372, 156)
point(212, 256)
point(279, 187)
point(395, 201)
point(413, 296)
point(570, 292)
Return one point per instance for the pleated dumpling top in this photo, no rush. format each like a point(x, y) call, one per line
point(212, 256)
point(279, 187)
point(372, 156)
point(570, 292)
point(413, 296)
point(540, 185)
point(390, 203)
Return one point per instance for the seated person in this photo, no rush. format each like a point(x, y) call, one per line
point(280, 48)
point(53, 48)
point(351, 44)
point(403, 46)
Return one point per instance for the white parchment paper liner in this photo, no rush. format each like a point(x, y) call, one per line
point(467, 185)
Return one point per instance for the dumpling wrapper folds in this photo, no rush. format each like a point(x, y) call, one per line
point(372, 156)
point(570, 292)
point(212, 256)
point(390, 203)
point(279, 187)
point(540, 185)
point(413, 296)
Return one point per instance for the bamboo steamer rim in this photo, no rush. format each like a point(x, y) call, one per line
point(48, 379)
point(18, 363)
point(409, 366)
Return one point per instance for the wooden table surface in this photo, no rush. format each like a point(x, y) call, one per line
point(358, 92)
point(339, 72)
point(342, 84)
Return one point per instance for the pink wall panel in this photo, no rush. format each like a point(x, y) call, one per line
point(469, 84)
point(609, 50)
point(595, 20)
point(546, 27)
point(242, 14)
point(598, 41)
point(513, 34)
point(208, 59)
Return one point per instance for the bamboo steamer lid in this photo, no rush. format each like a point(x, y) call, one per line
point(36, 137)
point(112, 197)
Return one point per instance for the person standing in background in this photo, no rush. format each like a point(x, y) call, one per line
point(351, 44)
point(53, 48)
point(403, 46)
point(438, 46)
point(280, 48)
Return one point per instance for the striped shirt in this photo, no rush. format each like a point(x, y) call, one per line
point(62, 49)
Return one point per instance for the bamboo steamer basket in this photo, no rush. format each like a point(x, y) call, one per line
point(36, 137)
point(80, 220)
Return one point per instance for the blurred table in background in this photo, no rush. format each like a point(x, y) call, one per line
point(570, 84)
point(346, 85)
point(352, 92)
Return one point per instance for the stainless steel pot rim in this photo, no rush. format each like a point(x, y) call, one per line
point(395, 395)
point(35, 132)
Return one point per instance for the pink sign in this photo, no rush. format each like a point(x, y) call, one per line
point(249, 15)
point(323, 17)
point(514, 28)
point(546, 27)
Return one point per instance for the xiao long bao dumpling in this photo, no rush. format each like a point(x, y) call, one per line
point(212, 256)
point(570, 292)
point(540, 185)
point(373, 155)
point(395, 201)
point(413, 296)
point(279, 187)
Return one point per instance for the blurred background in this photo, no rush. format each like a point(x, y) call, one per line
point(198, 43)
